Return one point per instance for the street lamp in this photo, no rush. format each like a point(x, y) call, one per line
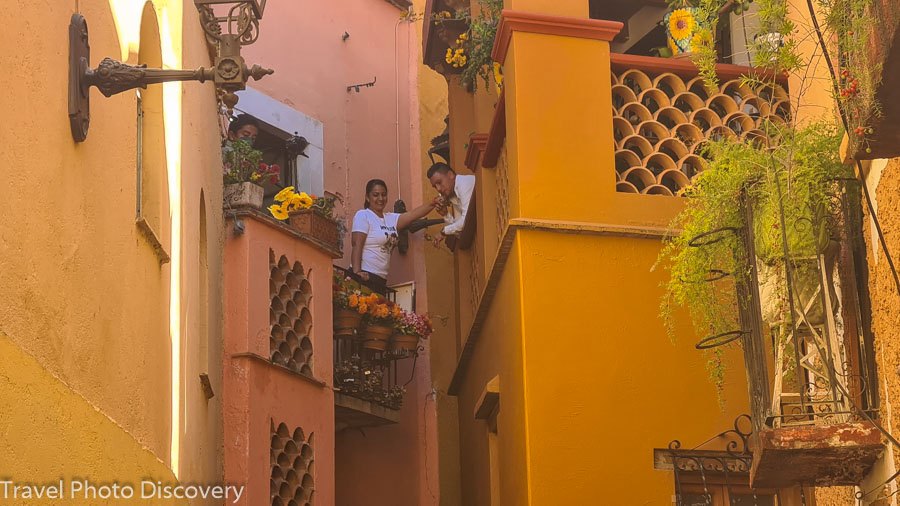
point(229, 71)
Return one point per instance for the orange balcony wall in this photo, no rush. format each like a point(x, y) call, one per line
point(278, 400)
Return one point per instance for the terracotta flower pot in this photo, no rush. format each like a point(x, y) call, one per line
point(375, 344)
point(376, 337)
point(378, 332)
point(312, 223)
point(346, 322)
point(244, 194)
point(405, 342)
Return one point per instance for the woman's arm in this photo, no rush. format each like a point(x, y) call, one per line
point(410, 216)
point(358, 239)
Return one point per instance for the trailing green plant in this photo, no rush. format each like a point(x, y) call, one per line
point(479, 42)
point(796, 176)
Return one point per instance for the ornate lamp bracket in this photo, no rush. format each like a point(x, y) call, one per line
point(230, 74)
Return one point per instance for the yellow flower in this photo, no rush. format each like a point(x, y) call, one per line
point(255, 177)
point(284, 194)
point(277, 212)
point(463, 36)
point(352, 300)
point(681, 24)
point(673, 47)
point(362, 309)
point(699, 39)
point(305, 201)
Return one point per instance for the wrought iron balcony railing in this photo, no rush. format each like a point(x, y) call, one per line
point(810, 364)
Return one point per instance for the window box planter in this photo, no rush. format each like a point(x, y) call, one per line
point(244, 194)
point(316, 225)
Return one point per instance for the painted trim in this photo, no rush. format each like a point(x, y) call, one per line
point(259, 358)
point(497, 134)
point(490, 287)
point(683, 67)
point(477, 142)
point(546, 24)
point(263, 217)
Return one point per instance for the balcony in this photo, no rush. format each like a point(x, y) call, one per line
point(370, 376)
point(811, 375)
point(811, 371)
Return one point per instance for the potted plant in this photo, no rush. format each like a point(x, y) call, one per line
point(379, 321)
point(347, 296)
point(244, 171)
point(309, 214)
point(791, 182)
point(409, 328)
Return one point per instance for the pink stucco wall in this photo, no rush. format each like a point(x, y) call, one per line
point(256, 392)
point(370, 134)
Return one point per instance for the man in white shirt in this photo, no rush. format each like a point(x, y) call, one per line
point(456, 191)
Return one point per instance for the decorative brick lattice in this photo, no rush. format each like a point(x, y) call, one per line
point(502, 200)
point(289, 315)
point(661, 123)
point(291, 461)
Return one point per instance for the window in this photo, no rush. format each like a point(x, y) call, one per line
point(278, 123)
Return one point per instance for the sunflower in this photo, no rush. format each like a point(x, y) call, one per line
point(699, 39)
point(284, 194)
point(681, 24)
point(305, 201)
point(278, 212)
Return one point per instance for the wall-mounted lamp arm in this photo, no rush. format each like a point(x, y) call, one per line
point(112, 77)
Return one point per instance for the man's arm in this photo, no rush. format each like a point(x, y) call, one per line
point(465, 185)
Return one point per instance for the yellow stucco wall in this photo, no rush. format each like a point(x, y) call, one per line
point(45, 437)
point(590, 383)
point(82, 290)
point(439, 280)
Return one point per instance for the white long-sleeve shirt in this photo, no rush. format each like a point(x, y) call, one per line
point(459, 204)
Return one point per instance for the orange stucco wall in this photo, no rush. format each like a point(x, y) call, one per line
point(82, 289)
point(589, 381)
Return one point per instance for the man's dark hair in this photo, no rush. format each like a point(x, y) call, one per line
point(439, 168)
point(241, 121)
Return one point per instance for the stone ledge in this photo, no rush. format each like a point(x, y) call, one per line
point(830, 455)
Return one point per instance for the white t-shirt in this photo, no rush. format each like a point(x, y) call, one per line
point(381, 238)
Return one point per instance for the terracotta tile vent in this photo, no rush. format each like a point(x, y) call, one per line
point(291, 463)
point(289, 315)
point(661, 123)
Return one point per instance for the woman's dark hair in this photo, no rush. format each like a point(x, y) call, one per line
point(371, 186)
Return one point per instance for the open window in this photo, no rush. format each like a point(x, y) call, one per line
point(288, 138)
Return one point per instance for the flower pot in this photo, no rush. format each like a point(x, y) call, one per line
point(244, 194)
point(376, 337)
point(375, 344)
point(346, 322)
point(312, 223)
point(404, 342)
point(683, 30)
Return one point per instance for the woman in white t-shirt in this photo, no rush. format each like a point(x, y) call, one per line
point(374, 233)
